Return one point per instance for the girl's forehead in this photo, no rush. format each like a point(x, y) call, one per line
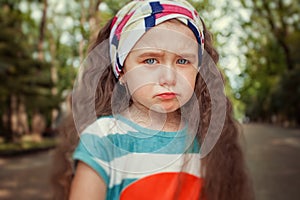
point(169, 36)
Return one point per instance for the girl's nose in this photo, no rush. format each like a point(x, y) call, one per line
point(167, 76)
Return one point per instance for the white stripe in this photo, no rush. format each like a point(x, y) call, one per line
point(129, 38)
point(107, 126)
point(139, 165)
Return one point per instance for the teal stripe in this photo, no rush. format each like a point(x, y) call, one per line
point(115, 192)
point(117, 145)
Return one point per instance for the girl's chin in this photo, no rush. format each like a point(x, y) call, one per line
point(164, 109)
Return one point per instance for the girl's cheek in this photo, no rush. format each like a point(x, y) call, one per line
point(139, 77)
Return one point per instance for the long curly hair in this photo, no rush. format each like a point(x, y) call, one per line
point(225, 173)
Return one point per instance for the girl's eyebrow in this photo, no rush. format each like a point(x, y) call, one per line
point(154, 53)
point(191, 56)
point(158, 53)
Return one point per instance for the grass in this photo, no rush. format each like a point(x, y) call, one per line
point(26, 144)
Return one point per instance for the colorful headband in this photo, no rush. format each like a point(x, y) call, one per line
point(138, 16)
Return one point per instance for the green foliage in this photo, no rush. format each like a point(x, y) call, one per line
point(115, 5)
point(27, 144)
point(268, 86)
point(22, 75)
point(271, 66)
point(286, 95)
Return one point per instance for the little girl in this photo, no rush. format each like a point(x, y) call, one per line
point(151, 114)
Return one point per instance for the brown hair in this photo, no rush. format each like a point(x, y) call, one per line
point(224, 170)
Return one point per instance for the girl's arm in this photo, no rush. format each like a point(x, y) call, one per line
point(87, 184)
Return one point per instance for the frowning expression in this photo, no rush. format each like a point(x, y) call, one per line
point(161, 69)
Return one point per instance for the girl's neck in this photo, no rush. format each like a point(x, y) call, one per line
point(154, 120)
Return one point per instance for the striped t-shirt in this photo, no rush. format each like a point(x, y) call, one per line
point(140, 163)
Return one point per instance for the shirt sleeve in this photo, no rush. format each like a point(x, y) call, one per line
point(94, 151)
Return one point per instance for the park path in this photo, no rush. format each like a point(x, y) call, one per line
point(272, 155)
point(26, 177)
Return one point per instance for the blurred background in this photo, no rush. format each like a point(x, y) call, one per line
point(43, 42)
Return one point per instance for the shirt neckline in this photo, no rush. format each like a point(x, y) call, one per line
point(180, 133)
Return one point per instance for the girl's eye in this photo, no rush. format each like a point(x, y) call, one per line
point(150, 61)
point(182, 61)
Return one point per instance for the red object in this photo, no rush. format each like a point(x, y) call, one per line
point(174, 9)
point(166, 186)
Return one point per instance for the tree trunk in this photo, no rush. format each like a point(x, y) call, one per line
point(23, 127)
point(10, 119)
point(287, 53)
point(54, 78)
point(36, 127)
point(82, 23)
point(93, 19)
point(280, 32)
point(14, 117)
point(42, 31)
point(38, 124)
point(7, 121)
point(89, 15)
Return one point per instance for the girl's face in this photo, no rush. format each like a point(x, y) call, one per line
point(161, 69)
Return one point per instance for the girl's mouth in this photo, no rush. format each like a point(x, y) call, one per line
point(167, 95)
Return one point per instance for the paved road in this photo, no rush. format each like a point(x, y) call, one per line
point(272, 153)
point(26, 177)
point(274, 160)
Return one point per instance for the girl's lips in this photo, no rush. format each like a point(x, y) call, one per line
point(167, 95)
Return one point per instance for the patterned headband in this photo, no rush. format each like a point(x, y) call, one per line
point(138, 16)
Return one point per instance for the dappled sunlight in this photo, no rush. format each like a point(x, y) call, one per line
point(290, 141)
point(9, 184)
point(2, 162)
point(5, 194)
point(26, 177)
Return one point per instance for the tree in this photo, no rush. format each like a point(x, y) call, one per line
point(24, 79)
point(270, 58)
